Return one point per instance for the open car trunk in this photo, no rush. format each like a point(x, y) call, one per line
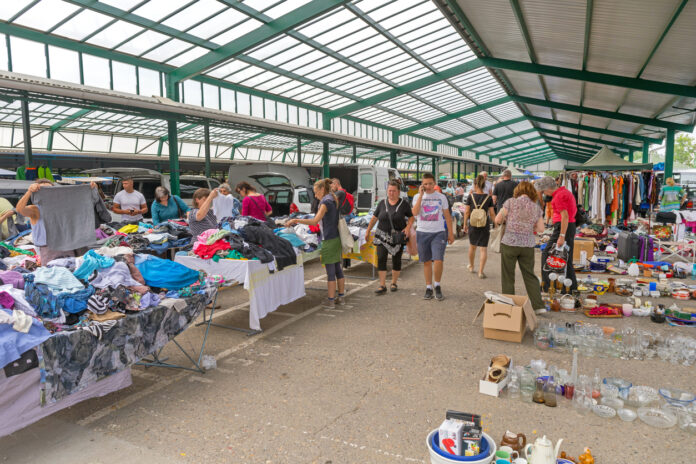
point(277, 189)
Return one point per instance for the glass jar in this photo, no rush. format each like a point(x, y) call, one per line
point(538, 396)
point(514, 385)
point(550, 393)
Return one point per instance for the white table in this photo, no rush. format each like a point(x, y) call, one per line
point(267, 291)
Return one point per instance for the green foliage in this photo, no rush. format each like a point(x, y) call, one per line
point(684, 149)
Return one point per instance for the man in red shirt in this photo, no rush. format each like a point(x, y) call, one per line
point(345, 199)
point(564, 206)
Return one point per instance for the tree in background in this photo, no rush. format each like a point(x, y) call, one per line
point(684, 151)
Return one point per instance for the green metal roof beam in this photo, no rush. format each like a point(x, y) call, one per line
point(498, 139)
point(511, 148)
point(515, 156)
point(76, 115)
point(484, 129)
point(597, 130)
point(590, 139)
point(406, 88)
point(543, 159)
point(263, 33)
point(521, 151)
point(508, 146)
point(570, 151)
point(604, 114)
point(559, 144)
point(455, 115)
point(126, 16)
point(164, 138)
point(589, 76)
point(579, 151)
point(671, 22)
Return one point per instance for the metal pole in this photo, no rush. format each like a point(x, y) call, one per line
point(417, 167)
point(206, 135)
point(26, 129)
point(354, 159)
point(646, 152)
point(434, 166)
point(325, 160)
point(299, 152)
point(459, 171)
point(669, 154)
point(630, 156)
point(173, 158)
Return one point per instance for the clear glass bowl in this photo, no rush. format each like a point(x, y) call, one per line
point(614, 403)
point(676, 396)
point(602, 410)
point(627, 415)
point(641, 396)
point(657, 418)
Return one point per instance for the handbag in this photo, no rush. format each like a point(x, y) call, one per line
point(346, 237)
point(496, 237)
point(397, 237)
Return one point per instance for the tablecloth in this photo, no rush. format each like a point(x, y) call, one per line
point(267, 291)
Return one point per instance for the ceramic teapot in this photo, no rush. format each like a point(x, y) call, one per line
point(542, 451)
point(516, 441)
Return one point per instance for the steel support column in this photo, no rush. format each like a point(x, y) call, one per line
point(669, 153)
point(646, 152)
point(26, 129)
point(325, 159)
point(434, 166)
point(354, 158)
point(172, 89)
point(417, 167)
point(299, 152)
point(206, 136)
point(459, 171)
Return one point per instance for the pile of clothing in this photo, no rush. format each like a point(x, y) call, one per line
point(146, 238)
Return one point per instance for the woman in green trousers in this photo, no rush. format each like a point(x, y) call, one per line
point(523, 218)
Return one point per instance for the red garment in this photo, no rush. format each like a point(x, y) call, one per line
point(315, 229)
point(562, 200)
point(350, 199)
point(208, 251)
point(255, 206)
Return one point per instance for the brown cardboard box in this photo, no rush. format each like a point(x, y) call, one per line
point(583, 244)
point(507, 322)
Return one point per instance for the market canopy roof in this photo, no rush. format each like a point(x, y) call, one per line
point(516, 173)
point(606, 160)
point(502, 81)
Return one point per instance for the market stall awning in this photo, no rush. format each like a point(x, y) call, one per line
point(516, 173)
point(607, 160)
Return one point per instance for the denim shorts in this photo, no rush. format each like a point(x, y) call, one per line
point(431, 246)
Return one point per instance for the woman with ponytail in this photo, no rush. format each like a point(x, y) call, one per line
point(330, 252)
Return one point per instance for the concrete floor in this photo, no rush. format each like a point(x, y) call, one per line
point(362, 384)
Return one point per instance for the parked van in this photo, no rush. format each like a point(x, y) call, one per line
point(146, 181)
point(367, 183)
point(286, 188)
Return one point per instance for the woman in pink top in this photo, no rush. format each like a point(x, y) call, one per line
point(254, 204)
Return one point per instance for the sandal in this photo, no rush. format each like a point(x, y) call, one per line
point(393, 287)
point(470, 268)
point(481, 275)
point(381, 290)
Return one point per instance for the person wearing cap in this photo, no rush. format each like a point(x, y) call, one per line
point(564, 208)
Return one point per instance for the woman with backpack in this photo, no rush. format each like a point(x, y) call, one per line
point(478, 216)
point(395, 220)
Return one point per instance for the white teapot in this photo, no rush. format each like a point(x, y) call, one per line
point(542, 451)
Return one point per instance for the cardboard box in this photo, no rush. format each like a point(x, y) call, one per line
point(583, 244)
point(507, 322)
point(492, 388)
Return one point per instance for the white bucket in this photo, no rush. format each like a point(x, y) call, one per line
point(437, 459)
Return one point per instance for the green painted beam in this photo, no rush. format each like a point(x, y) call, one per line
point(666, 30)
point(455, 115)
point(521, 151)
point(603, 114)
point(646, 153)
point(569, 151)
point(510, 145)
point(406, 88)
point(589, 139)
point(141, 21)
point(669, 154)
point(484, 129)
point(578, 149)
point(164, 138)
point(533, 152)
point(589, 76)
point(597, 130)
point(498, 139)
point(543, 159)
point(263, 33)
point(64, 122)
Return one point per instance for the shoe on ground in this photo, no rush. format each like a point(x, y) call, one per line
point(341, 300)
point(438, 293)
point(381, 290)
point(329, 304)
point(428, 294)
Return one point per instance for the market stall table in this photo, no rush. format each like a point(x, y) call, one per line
point(267, 290)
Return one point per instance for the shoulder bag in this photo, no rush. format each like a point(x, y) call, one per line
point(397, 236)
point(347, 241)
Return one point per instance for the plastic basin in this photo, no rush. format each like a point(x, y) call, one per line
point(437, 456)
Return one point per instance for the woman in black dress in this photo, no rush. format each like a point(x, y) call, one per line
point(478, 236)
point(394, 215)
